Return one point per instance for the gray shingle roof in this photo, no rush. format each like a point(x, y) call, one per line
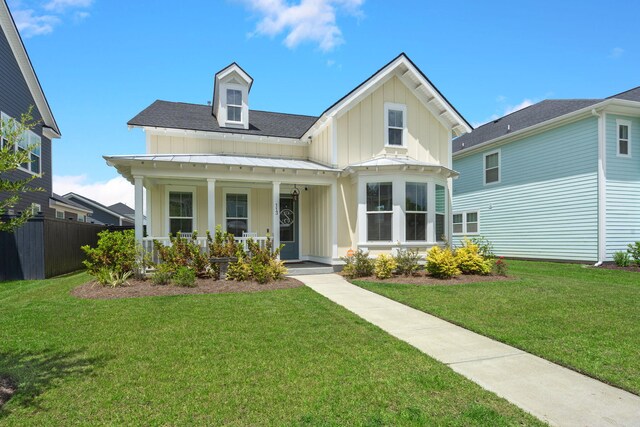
point(530, 116)
point(179, 115)
point(122, 209)
point(59, 198)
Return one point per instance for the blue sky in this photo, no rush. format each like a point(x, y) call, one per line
point(100, 62)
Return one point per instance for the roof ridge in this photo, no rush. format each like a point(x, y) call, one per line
point(623, 92)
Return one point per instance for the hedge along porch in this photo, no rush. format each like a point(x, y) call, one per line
point(243, 195)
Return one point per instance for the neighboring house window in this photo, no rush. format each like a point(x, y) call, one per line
point(29, 141)
point(416, 211)
point(395, 124)
point(82, 218)
point(180, 212)
point(237, 214)
point(624, 146)
point(59, 214)
point(35, 209)
point(440, 213)
point(492, 167)
point(234, 105)
point(466, 223)
point(379, 211)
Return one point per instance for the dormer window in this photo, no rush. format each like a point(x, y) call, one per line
point(234, 105)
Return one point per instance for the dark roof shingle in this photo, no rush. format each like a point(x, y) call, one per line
point(122, 209)
point(179, 115)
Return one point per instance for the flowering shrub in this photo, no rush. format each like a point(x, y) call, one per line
point(470, 260)
point(500, 267)
point(441, 263)
point(385, 265)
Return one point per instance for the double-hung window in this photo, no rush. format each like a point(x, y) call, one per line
point(379, 211)
point(59, 214)
point(180, 212)
point(441, 201)
point(35, 209)
point(466, 223)
point(416, 211)
point(29, 142)
point(234, 105)
point(82, 218)
point(395, 124)
point(492, 167)
point(624, 141)
point(237, 219)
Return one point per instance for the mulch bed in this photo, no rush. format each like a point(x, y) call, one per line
point(7, 389)
point(139, 288)
point(424, 279)
point(615, 267)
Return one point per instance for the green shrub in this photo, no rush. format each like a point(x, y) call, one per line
point(277, 269)
point(260, 273)
point(622, 259)
point(223, 244)
point(107, 277)
point(485, 247)
point(358, 265)
point(441, 263)
point(384, 267)
point(407, 261)
point(184, 276)
point(161, 277)
point(500, 267)
point(184, 252)
point(116, 251)
point(470, 260)
point(239, 270)
point(634, 251)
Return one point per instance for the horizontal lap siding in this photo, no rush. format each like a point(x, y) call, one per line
point(546, 203)
point(623, 188)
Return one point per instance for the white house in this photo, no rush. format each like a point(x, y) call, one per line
point(373, 171)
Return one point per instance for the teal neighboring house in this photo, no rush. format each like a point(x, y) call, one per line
point(557, 180)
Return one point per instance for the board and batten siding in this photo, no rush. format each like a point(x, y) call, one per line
point(623, 187)
point(360, 131)
point(546, 204)
point(168, 144)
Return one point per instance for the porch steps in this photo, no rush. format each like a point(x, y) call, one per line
point(307, 268)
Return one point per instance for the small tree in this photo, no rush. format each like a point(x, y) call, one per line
point(15, 152)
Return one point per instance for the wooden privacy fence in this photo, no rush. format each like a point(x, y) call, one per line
point(46, 247)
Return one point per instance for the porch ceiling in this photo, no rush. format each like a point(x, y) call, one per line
point(124, 164)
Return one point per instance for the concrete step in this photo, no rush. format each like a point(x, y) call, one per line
point(304, 269)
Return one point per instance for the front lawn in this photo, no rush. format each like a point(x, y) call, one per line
point(584, 318)
point(283, 357)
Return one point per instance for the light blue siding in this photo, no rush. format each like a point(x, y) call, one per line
point(545, 205)
point(623, 188)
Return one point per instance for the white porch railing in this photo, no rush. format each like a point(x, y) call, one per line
point(149, 248)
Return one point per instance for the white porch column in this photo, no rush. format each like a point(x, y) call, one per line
point(139, 207)
point(148, 204)
point(211, 205)
point(275, 198)
point(334, 221)
point(362, 214)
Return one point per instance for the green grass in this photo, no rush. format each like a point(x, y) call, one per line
point(583, 318)
point(287, 357)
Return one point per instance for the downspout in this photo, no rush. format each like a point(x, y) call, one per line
point(602, 188)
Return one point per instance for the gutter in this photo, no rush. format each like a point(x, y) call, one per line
point(602, 185)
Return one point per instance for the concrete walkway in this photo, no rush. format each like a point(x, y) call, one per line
point(550, 392)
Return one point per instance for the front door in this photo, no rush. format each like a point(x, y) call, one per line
point(289, 228)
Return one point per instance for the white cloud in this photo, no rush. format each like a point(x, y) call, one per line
point(30, 24)
point(616, 52)
point(513, 108)
point(306, 21)
point(106, 192)
point(508, 109)
point(60, 5)
point(36, 17)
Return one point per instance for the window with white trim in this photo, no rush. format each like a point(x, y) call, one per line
point(237, 215)
point(35, 208)
point(395, 119)
point(379, 211)
point(466, 222)
point(59, 214)
point(416, 211)
point(82, 218)
point(180, 212)
point(441, 201)
point(492, 167)
point(29, 141)
point(624, 140)
point(234, 105)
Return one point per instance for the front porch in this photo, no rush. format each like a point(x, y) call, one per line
point(293, 202)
